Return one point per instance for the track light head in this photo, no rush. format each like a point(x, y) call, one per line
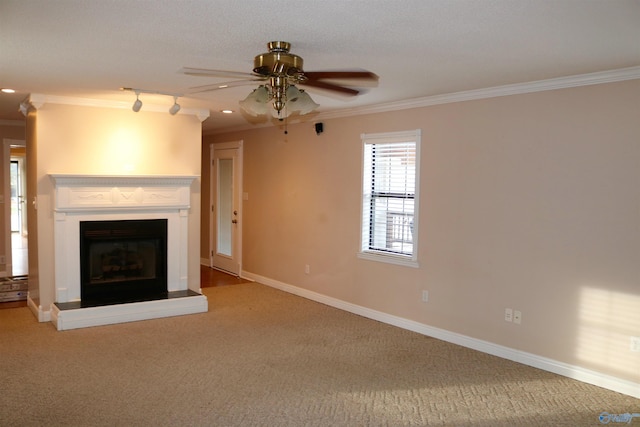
point(138, 104)
point(175, 107)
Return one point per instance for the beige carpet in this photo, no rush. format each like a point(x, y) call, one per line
point(261, 357)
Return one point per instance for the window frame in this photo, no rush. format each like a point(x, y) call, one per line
point(365, 251)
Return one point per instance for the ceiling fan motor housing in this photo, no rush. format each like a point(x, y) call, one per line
point(278, 61)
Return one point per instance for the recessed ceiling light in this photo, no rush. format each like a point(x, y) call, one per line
point(7, 90)
point(226, 111)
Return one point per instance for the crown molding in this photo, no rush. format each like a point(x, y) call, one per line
point(601, 77)
point(37, 100)
point(588, 79)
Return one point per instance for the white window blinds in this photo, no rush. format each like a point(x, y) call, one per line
point(389, 202)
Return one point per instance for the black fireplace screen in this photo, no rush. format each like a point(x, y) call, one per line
point(123, 261)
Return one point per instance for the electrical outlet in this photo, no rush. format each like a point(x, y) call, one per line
point(517, 317)
point(635, 344)
point(307, 269)
point(425, 296)
point(3, 259)
point(508, 315)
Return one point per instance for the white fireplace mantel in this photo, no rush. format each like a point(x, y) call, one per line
point(105, 198)
point(108, 192)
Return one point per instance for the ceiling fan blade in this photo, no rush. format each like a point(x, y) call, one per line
point(204, 72)
point(331, 87)
point(341, 75)
point(344, 78)
point(224, 85)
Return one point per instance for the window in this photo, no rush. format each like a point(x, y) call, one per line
point(390, 197)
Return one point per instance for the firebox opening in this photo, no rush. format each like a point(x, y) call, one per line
point(123, 261)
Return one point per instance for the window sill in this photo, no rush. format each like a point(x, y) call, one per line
point(389, 259)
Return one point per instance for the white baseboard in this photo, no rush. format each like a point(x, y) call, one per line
point(571, 371)
point(41, 315)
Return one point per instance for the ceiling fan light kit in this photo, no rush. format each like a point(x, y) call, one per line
point(256, 104)
point(300, 100)
point(281, 72)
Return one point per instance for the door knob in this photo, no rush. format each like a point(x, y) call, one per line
point(234, 221)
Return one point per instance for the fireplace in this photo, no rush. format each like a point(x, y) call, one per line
point(123, 261)
point(122, 250)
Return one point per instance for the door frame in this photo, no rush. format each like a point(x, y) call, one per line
point(237, 244)
point(6, 166)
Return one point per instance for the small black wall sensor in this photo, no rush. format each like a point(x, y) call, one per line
point(319, 128)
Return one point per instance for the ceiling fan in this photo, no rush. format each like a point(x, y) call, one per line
point(280, 72)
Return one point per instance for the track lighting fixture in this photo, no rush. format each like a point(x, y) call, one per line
point(175, 107)
point(137, 105)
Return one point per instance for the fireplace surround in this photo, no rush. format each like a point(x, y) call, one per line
point(83, 206)
point(122, 261)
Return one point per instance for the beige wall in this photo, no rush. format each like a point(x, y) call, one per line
point(12, 131)
point(32, 217)
point(105, 141)
point(529, 202)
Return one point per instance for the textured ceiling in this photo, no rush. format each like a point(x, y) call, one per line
point(419, 48)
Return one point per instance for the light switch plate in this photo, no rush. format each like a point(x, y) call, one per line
point(508, 315)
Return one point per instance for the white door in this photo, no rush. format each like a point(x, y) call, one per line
point(225, 208)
